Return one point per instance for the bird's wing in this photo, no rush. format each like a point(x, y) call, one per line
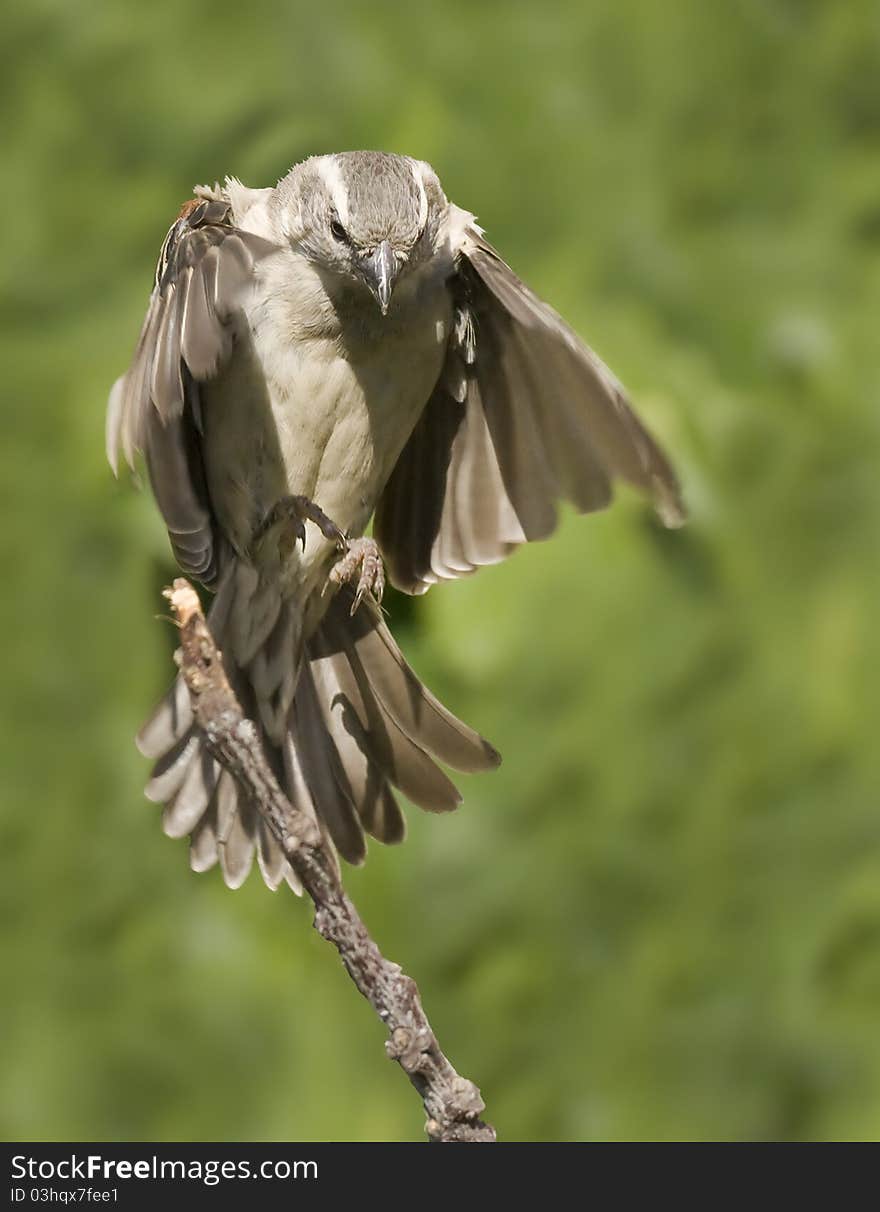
point(204, 268)
point(523, 415)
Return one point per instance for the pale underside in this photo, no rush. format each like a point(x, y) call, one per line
point(324, 414)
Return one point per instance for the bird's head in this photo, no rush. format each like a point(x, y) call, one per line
point(368, 216)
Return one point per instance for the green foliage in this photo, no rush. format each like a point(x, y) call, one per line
point(661, 918)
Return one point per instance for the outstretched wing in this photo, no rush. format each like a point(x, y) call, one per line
point(523, 415)
point(205, 265)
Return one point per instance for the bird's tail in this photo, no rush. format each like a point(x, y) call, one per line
point(345, 722)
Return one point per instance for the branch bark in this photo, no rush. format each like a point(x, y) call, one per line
point(452, 1103)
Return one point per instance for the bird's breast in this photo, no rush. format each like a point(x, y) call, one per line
point(320, 402)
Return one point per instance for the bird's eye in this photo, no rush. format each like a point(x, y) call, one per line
point(338, 231)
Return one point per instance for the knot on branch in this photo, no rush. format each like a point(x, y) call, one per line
point(410, 1048)
point(460, 1132)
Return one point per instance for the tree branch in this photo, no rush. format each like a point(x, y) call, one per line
point(452, 1103)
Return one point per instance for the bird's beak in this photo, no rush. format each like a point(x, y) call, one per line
point(380, 271)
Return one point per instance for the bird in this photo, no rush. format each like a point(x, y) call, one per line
point(347, 347)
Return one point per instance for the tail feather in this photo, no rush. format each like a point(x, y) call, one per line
point(360, 714)
point(370, 647)
point(329, 790)
point(168, 723)
point(383, 819)
point(362, 778)
point(357, 723)
point(203, 852)
point(272, 672)
point(270, 856)
point(171, 769)
point(183, 813)
point(296, 784)
point(236, 828)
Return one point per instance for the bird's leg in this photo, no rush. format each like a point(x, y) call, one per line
point(294, 512)
point(361, 560)
point(361, 557)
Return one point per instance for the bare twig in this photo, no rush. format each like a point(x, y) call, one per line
point(452, 1103)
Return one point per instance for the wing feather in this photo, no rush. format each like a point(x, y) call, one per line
point(523, 415)
point(204, 268)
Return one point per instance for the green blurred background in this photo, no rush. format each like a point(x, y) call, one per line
point(661, 918)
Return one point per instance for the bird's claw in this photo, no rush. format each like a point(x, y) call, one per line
point(361, 559)
point(294, 512)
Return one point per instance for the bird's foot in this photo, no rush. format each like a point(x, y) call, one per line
point(361, 560)
point(294, 512)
